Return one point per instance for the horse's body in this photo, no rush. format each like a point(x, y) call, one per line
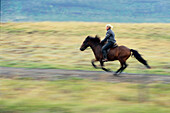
point(120, 53)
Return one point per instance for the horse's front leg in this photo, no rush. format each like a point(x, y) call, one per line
point(102, 67)
point(92, 62)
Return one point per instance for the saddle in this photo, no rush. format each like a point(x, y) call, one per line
point(114, 46)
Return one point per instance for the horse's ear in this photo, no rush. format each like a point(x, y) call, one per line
point(97, 38)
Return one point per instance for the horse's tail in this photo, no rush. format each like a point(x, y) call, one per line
point(139, 58)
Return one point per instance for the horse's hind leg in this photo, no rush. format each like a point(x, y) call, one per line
point(124, 67)
point(121, 68)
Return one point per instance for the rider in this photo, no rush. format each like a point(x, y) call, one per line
point(110, 38)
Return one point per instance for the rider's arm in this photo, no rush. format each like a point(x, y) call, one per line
point(106, 37)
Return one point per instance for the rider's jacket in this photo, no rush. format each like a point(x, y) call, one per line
point(110, 37)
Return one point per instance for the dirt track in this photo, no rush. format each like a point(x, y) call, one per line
point(55, 74)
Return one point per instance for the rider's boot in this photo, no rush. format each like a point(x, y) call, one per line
point(105, 56)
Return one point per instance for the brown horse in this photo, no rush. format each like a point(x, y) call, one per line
point(120, 53)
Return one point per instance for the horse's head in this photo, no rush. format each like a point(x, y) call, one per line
point(89, 41)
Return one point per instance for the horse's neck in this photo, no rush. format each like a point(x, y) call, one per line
point(97, 51)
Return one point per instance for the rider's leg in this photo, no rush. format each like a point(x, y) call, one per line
point(105, 48)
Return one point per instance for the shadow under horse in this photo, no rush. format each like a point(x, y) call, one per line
point(120, 53)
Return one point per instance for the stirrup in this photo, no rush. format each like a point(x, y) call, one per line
point(105, 60)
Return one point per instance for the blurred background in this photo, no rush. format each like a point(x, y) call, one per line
point(89, 10)
point(45, 34)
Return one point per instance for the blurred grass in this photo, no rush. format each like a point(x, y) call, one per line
point(56, 45)
point(81, 96)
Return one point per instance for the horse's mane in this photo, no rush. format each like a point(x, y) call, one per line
point(95, 39)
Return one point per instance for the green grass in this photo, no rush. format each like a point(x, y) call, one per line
point(56, 45)
point(82, 96)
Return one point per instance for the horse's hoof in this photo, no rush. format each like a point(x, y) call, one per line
point(109, 70)
point(116, 74)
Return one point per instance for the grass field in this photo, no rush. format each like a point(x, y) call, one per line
point(82, 96)
point(56, 45)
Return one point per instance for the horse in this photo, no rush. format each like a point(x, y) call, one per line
point(121, 53)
